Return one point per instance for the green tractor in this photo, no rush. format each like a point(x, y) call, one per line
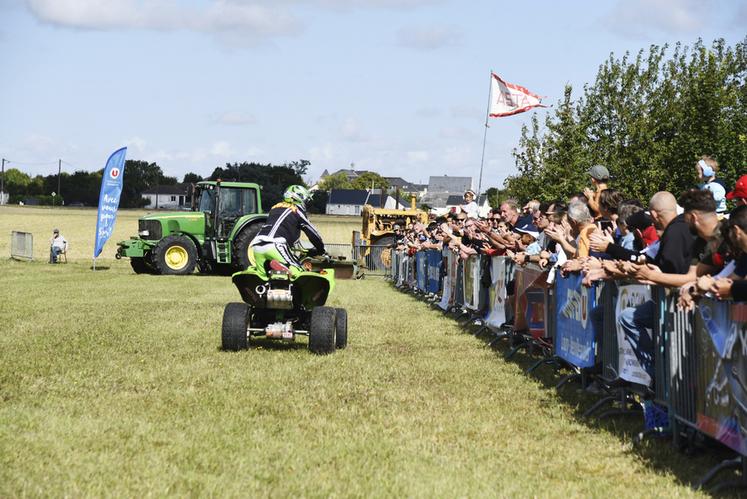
point(213, 237)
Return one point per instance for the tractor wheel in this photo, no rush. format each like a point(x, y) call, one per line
point(322, 330)
point(235, 320)
point(385, 253)
point(175, 255)
point(140, 265)
point(341, 328)
point(241, 244)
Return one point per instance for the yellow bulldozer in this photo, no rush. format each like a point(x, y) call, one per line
point(376, 237)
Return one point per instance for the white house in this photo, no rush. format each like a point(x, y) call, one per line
point(168, 197)
point(351, 201)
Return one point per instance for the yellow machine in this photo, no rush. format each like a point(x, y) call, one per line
point(377, 235)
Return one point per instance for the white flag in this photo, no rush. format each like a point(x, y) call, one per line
point(507, 99)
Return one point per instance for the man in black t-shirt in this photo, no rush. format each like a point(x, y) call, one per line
point(671, 267)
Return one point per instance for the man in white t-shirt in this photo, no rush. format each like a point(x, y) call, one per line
point(57, 245)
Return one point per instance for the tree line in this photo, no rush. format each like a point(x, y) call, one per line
point(648, 118)
point(82, 187)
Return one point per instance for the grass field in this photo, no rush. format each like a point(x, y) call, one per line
point(112, 384)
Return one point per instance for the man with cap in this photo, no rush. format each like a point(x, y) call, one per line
point(739, 194)
point(600, 175)
point(57, 245)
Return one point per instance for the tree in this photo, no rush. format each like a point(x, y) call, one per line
point(648, 118)
point(318, 202)
point(191, 178)
point(337, 181)
point(272, 179)
point(370, 180)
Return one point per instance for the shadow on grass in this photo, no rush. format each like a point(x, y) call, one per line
point(688, 465)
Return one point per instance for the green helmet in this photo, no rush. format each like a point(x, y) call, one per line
point(296, 194)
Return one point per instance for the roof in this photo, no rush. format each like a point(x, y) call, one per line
point(402, 184)
point(445, 183)
point(176, 189)
point(357, 197)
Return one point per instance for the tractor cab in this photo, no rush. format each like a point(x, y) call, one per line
point(224, 203)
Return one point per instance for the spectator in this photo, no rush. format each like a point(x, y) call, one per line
point(600, 176)
point(707, 168)
point(510, 212)
point(739, 194)
point(627, 239)
point(470, 206)
point(57, 245)
point(582, 225)
point(670, 267)
point(733, 285)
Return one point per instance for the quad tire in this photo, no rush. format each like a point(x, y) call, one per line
point(234, 336)
point(322, 330)
point(175, 255)
point(341, 328)
point(241, 245)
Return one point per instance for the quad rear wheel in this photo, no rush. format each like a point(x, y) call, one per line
point(341, 328)
point(234, 331)
point(322, 330)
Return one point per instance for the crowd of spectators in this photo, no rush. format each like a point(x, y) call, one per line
point(690, 242)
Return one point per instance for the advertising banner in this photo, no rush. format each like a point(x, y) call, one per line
point(630, 295)
point(721, 339)
point(497, 307)
point(421, 269)
point(434, 271)
point(574, 334)
point(471, 286)
point(530, 300)
point(111, 190)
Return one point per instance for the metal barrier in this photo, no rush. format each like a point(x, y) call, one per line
point(374, 259)
point(22, 245)
point(338, 250)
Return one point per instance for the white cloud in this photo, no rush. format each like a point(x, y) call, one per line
point(638, 17)
point(428, 38)
point(234, 118)
point(227, 17)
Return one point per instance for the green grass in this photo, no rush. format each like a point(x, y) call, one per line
point(112, 384)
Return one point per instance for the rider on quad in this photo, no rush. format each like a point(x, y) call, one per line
point(283, 229)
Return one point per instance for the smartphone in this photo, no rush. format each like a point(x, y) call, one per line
point(604, 224)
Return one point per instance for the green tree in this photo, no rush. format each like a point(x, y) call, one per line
point(368, 179)
point(191, 178)
point(337, 181)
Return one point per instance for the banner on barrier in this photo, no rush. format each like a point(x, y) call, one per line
point(450, 281)
point(421, 265)
point(433, 284)
point(471, 286)
point(574, 333)
point(721, 335)
point(630, 295)
point(530, 284)
point(497, 308)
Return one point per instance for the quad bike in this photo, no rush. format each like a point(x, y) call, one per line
point(282, 303)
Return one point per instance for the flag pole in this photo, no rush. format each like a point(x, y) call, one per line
point(485, 136)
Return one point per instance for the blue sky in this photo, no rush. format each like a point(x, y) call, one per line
point(395, 86)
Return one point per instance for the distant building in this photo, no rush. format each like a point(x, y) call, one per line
point(441, 188)
point(176, 196)
point(351, 201)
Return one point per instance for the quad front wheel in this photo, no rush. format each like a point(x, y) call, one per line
point(322, 330)
point(341, 328)
point(234, 332)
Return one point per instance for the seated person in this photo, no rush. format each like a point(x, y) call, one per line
point(57, 245)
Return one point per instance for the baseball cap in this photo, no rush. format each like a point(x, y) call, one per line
point(527, 228)
point(599, 172)
point(740, 189)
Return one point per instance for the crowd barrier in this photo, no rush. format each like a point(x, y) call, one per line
point(700, 356)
